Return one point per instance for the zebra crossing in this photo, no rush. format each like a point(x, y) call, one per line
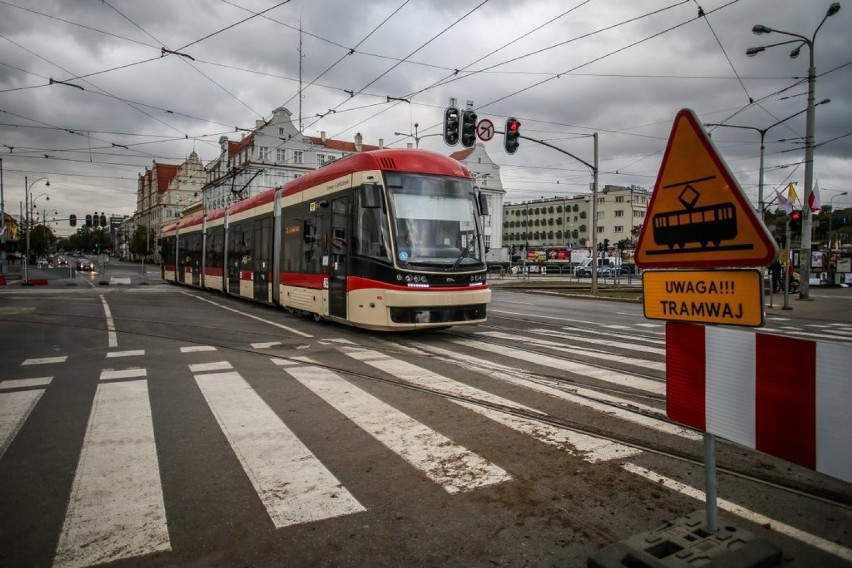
point(116, 506)
point(119, 472)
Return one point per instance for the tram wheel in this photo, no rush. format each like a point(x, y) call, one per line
point(317, 318)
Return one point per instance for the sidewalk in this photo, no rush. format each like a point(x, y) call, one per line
point(829, 304)
point(832, 304)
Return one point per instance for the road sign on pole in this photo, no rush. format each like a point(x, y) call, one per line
point(485, 130)
point(699, 215)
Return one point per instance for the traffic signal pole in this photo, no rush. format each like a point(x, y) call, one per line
point(594, 168)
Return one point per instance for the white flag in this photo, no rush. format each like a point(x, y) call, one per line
point(783, 202)
point(814, 201)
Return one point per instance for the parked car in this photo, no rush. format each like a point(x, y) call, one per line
point(85, 264)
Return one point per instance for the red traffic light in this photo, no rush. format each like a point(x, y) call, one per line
point(511, 135)
point(796, 216)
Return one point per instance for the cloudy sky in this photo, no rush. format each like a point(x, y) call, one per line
point(94, 91)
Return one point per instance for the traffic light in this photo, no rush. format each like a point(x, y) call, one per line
point(512, 135)
point(468, 128)
point(88, 220)
point(795, 219)
point(72, 220)
point(606, 245)
point(103, 220)
point(451, 126)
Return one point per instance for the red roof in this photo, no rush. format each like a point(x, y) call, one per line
point(165, 174)
point(235, 148)
point(340, 145)
point(462, 154)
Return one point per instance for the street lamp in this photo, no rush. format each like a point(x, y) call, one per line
point(28, 203)
point(415, 135)
point(832, 268)
point(762, 132)
point(805, 255)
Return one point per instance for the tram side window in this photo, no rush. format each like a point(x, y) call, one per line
point(371, 233)
point(215, 245)
point(247, 250)
point(313, 250)
point(292, 249)
point(262, 242)
point(235, 247)
point(182, 250)
point(168, 252)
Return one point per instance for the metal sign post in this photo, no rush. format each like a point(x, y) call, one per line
point(710, 485)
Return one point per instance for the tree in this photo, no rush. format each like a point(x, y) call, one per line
point(41, 240)
point(141, 244)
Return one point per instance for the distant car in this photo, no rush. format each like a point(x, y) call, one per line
point(85, 264)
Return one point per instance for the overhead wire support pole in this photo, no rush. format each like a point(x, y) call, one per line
point(801, 40)
point(594, 221)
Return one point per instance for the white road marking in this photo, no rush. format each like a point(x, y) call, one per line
point(573, 349)
point(112, 374)
point(15, 408)
point(25, 383)
point(588, 398)
point(112, 337)
point(278, 325)
point(133, 353)
point(629, 345)
point(424, 377)
point(116, 508)
point(197, 348)
point(615, 377)
point(453, 467)
point(45, 360)
point(206, 367)
point(591, 449)
point(265, 345)
point(293, 485)
point(777, 526)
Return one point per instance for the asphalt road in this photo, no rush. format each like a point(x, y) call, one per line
point(148, 424)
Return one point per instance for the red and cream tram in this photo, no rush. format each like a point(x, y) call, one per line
point(384, 240)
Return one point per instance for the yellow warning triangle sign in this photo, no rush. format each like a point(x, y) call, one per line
point(698, 215)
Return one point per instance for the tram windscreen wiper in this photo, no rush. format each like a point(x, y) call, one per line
point(463, 254)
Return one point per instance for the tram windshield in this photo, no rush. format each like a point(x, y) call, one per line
point(434, 221)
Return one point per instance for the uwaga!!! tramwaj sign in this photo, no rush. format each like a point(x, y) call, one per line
point(699, 216)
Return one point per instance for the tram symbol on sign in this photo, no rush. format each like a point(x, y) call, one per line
point(709, 224)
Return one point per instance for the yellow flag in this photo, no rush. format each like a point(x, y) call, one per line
point(791, 194)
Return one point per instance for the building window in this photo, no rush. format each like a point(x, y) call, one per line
point(618, 229)
point(280, 131)
point(281, 156)
point(298, 157)
point(619, 213)
point(619, 199)
point(263, 153)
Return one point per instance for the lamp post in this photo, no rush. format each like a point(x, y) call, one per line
point(832, 268)
point(29, 203)
point(762, 132)
point(415, 135)
point(4, 269)
point(805, 255)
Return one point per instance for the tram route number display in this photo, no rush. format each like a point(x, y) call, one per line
point(730, 297)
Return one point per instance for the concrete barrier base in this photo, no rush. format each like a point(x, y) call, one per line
point(686, 542)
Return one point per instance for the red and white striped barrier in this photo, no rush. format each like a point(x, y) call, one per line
point(791, 398)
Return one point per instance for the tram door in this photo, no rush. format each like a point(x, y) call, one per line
point(338, 268)
point(235, 252)
point(262, 262)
